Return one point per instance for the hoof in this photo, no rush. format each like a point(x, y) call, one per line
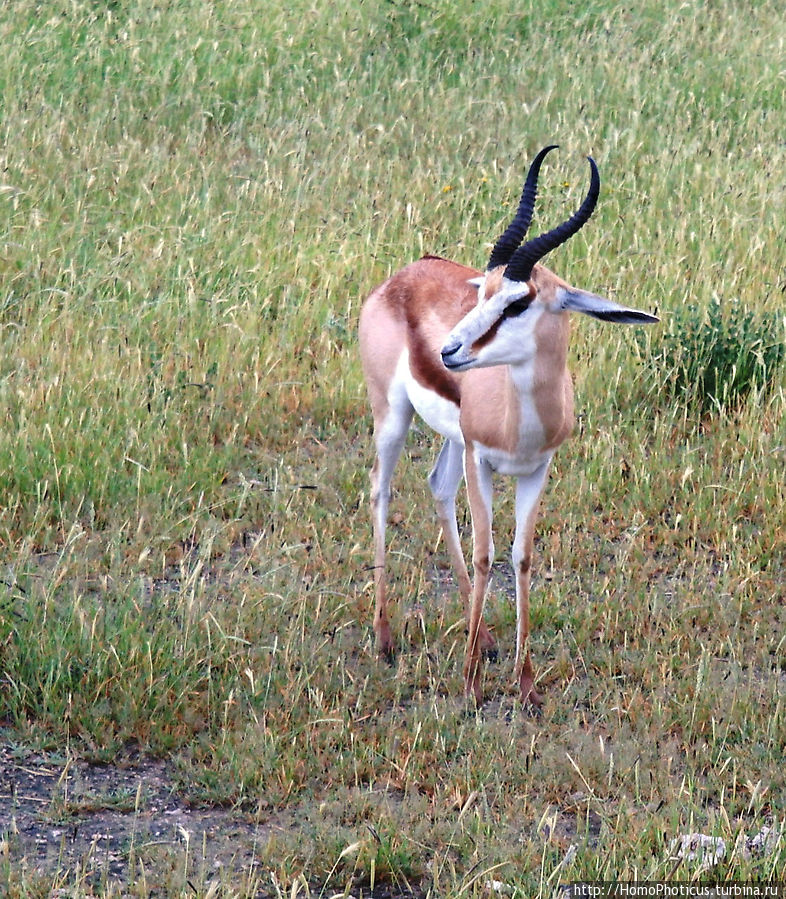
point(388, 654)
point(530, 698)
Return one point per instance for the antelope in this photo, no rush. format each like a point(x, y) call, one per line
point(481, 357)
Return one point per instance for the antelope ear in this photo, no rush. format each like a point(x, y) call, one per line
point(599, 307)
point(476, 282)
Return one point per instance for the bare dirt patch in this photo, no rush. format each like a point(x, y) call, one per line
point(99, 820)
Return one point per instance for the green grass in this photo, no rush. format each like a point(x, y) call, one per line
point(193, 206)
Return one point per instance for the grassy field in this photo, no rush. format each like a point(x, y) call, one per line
point(194, 201)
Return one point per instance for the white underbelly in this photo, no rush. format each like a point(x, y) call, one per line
point(519, 464)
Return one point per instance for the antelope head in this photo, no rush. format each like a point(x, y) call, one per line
point(515, 290)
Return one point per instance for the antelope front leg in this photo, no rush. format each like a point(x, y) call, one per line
point(528, 490)
point(444, 481)
point(478, 477)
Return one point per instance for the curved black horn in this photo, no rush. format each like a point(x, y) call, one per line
point(510, 240)
point(524, 258)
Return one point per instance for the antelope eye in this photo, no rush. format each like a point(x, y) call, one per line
point(517, 307)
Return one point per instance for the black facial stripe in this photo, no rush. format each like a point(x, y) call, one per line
point(512, 310)
point(517, 307)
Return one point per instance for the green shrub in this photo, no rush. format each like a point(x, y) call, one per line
point(716, 356)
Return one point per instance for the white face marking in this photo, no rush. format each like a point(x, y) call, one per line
point(514, 342)
point(506, 346)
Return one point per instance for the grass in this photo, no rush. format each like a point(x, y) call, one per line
point(193, 207)
point(716, 357)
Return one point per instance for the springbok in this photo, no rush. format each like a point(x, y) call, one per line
point(481, 357)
